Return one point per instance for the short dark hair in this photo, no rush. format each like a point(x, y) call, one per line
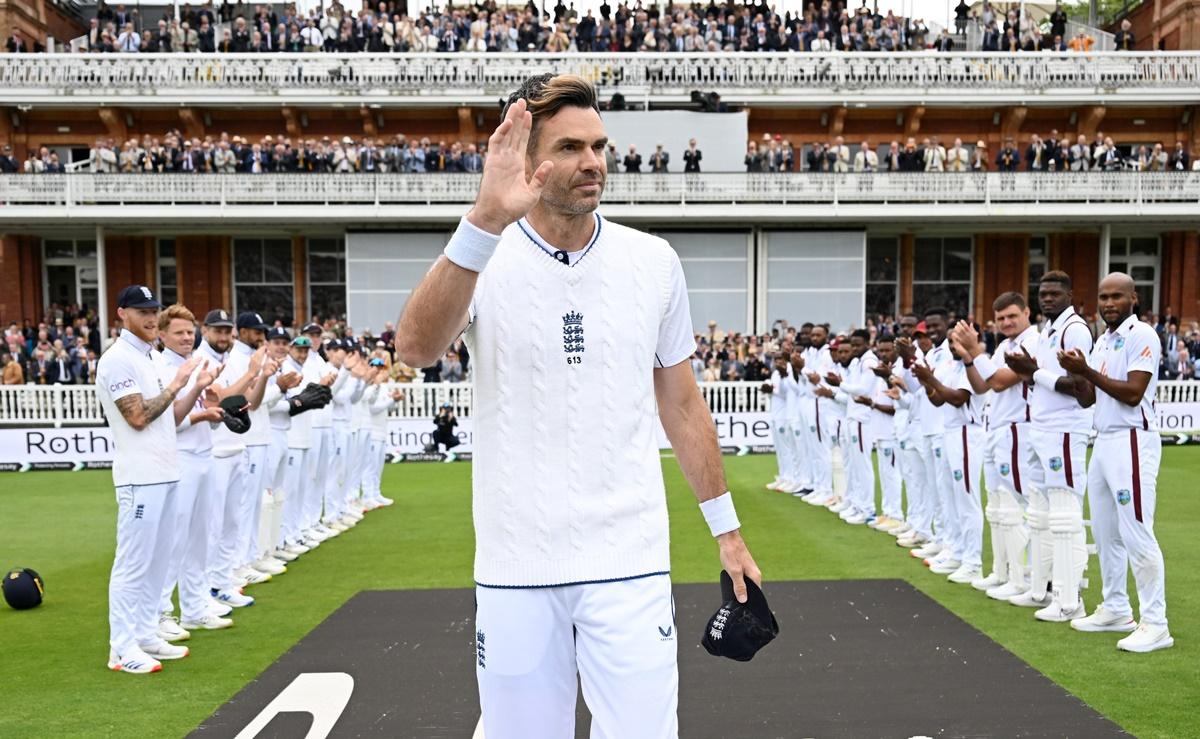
point(546, 94)
point(1057, 275)
point(863, 334)
point(1008, 299)
point(937, 310)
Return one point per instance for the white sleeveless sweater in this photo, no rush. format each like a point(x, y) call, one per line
point(567, 482)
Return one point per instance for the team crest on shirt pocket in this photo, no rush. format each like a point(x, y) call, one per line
point(1056, 463)
point(1119, 343)
point(1123, 497)
point(937, 452)
point(812, 429)
point(1005, 469)
point(853, 439)
point(958, 475)
point(888, 452)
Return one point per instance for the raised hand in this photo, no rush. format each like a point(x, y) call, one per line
point(256, 359)
point(905, 348)
point(863, 400)
point(270, 367)
point(208, 375)
point(883, 370)
point(288, 381)
point(1073, 361)
point(833, 379)
point(506, 194)
point(1023, 364)
point(185, 372)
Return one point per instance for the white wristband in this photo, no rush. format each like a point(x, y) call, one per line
point(1045, 378)
point(720, 515)
point(985, 367)
point(185, 423)
point(471, 247)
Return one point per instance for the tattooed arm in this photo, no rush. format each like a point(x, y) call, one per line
point(140, 413)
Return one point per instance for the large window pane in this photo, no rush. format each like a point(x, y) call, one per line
point(956, 262)
point(1143, 246)
point(952, 296)
point(328, 301)
point(277, 261)
point(323, 268)
point(881, 259)
point(247, 261)
point(927, 260)
point(60, 249)
point(1145, 295)
point(272, 301)
point(880, 300)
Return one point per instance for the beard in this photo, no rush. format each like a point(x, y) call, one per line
point(564, 198)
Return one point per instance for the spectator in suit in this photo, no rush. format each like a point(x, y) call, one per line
point(909, 159)
point(610, 157)
point(659, 159)
point(633, 161)
point(1081, 155)
point(754, 159)
point(1124, 39)
point(979, 158)
point(59, 370)
point(957, 157)
point(692, 157)
point(1035, 155)
point(866, 160)
point(1179, 158)
point(991, 38)
point(1008, 159)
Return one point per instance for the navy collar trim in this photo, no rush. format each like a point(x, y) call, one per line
point(533, 236)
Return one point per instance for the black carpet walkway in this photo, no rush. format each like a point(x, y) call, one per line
point(861, 659)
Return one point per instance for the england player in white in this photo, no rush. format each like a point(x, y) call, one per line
point(1120, 380)
point(146, 474)
point(1060, 432)
point(316, 369)
point(577, 327)
point(193, 418)
point(1009, 451)
point(275, 399)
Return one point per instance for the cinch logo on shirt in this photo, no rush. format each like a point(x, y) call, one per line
point(120, 385)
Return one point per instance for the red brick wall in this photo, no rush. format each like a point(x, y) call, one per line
point(20, 278)
point(202, 266)
point(1079, 256)
point(1001, 265)
point(1179, 277)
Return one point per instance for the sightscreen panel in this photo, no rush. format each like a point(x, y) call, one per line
point(717, 274)
point(381, 271)
point(816, 276)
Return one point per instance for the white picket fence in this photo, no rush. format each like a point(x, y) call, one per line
point(77, 405)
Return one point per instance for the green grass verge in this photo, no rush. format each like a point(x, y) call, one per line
point(62, 524)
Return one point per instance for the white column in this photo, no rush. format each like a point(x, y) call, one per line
point(1105, 240)
point(101, 286)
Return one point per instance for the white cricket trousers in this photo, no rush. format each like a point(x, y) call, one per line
point(860, 473)
point(824, 431)
point(258, 473)
point(229, 487)
point(335, 483)
point(318, 472)
point(781, 434)
point(189, 552)
point(1122, 492)
point(618, 637)
point(890, 482)
point(295, 481)
point(145, 515)
point(920, 450)
point(964, 450)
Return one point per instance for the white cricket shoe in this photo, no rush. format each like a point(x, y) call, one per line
point(912, 540)
point(904, 529)
point(383, 502)
point(964, 575)
point(857, 519)
point(1007, 590)
point(210, 622)
point(354, 513)
point(451, 456)
point(308, 542)
point(987, 583)
point(169, 628)
point(789, 486)
point(775, 484)
point(1031, 599)
point(337, 525)
point(253, 576)
point(1147, 638)
point(135, 662)
point(295, 547)
point(837, 505)
point(819, 497)
point(269, 566)
point(233, 598)
point(219, 608)
point(349, 521)
point(1104, 620)
point(325, 531)
point(945, 566)
point(1054, 612)
point(161, 650)
point(931, 549)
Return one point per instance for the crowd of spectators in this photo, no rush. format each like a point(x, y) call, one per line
point(60, 349)
point(1055, 153)
point(225, 154)
point(387, 26)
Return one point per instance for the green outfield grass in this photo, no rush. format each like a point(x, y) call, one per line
point(62, 524)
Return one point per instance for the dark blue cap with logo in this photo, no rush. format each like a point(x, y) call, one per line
point(251, 321)
point(137, 296)
point(218, 317)
point(278, 333)
point(311, 328)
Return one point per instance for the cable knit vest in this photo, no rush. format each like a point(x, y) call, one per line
point(567, 482)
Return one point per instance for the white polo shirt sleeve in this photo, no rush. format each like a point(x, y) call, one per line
point(118, 375)
point(1143, 349)
point(676, 342)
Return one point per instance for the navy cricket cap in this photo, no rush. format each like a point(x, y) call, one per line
point(278, 333)
point(312, 328)
point(218, 317)
point(137, 296)
point(252, 321)
point(23, 588)
point(739, 630)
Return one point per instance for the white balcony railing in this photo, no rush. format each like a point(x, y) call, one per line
point(1128, 188)
point(76, 405)
point(60, 79)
